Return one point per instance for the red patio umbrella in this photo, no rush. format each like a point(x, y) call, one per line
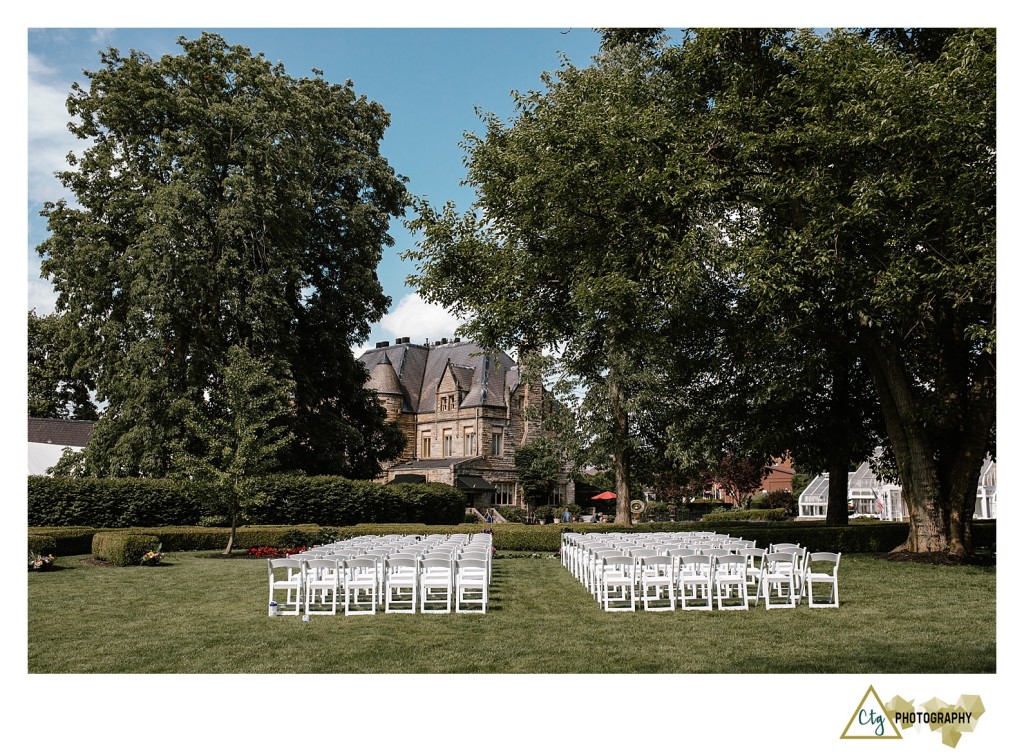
point(604, 495)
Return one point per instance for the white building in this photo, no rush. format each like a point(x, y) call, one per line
point(49, 437)
point(869, 495)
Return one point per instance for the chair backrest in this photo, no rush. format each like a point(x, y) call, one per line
point(660, 563)
point(432, 562)
point(772, 560)
point(290, 562)
point(683, 552)
point(618, 561)
point(643, 552)
point(782, 547)
point(399, 563)
point(325, 567)
point(754, 556)
point(697, 562)
point(471, 564)
point(732, 563)
point(829, 557)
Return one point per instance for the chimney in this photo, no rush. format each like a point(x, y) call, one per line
point(457, 339)
point(383, 344)
point(444, 340)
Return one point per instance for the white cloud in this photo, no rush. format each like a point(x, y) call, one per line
point(414, 318)
point(41, 296)
point(49, 140)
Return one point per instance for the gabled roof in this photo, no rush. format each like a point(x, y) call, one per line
point(57, 431)
point(420, 368)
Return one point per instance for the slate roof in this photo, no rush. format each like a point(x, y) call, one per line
point(419, 369)
point(58, 431)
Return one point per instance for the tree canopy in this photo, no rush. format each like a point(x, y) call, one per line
point(54, 389)
point(219, 203)
point(752, 241)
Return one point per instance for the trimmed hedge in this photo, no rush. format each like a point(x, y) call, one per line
point(123, 549)
point(42, 544)
point(289, 500)
point(777, 513)
point(117, 502)
point(67, 541)
point(866, 537)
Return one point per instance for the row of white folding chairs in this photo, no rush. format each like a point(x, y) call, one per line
point(579, 551)
point(315, 586)
point(782, 578)
point(452, 552)
point(380, 547)
point(585, 556)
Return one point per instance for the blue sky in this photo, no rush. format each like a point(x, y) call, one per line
point(429, 80)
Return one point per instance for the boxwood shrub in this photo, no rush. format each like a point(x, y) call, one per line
point(67, 541)
point(42, 544)
point(122, 549)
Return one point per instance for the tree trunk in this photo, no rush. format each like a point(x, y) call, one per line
point(938, 467)
point(837, 513)
point(620, 447)
point(231, 535)
point(915, 457)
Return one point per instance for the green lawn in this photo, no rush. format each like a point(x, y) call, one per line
point(198, 614)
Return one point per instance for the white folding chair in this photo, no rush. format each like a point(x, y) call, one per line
point(285, 574)
point(777, 577)
point(471, 584)
point(401, 585)
point(618, 583)
point(435, 585)
point(754, 556)
point(731, 580)
point(360, 585)
point(657, 587)
point(323, 580)
point(831, 577)
point(696, 580)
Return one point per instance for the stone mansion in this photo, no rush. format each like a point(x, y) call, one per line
point(464, 412)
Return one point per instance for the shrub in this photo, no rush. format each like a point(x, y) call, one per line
point(778, 513)
point(778, 498)
point(41, 544)
point(287, 500)
point(214, 521)
point(67, 541)
point(512, 514)
point(123, 549)
point(815, 535)
point(118, 502)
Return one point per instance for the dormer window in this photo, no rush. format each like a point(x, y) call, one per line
point(446, 403)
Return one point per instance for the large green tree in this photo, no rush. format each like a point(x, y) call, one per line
point(573, 243)
point(867, 160)
point(222, 202)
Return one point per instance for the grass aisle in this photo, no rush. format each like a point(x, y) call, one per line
point(201, 614)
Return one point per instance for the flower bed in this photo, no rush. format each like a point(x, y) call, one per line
point(37, 562)
point(272, 552)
